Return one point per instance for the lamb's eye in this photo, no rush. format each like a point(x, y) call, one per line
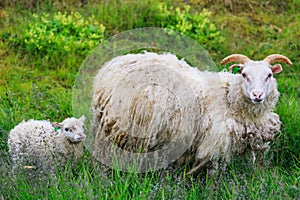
point(67, 129)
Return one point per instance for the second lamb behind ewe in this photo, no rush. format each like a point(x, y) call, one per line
point(41, 145)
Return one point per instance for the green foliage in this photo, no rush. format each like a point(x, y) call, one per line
point(38, 84)
point(86, 182)
point(63, 33)
point(196, 25)
point(60, 34)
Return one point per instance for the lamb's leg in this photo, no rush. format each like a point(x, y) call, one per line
point(52, 173)
point(17, 162)
point(14, 170)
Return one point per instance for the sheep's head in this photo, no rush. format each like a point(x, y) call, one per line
point(257, 75)
point(72, 128)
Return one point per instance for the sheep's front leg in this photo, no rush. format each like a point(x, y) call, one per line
point(271, 125)
point(213, 169)
point(197, 168)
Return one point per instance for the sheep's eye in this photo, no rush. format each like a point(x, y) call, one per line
point(67, 129)
point(245, 77)
point(268, 77)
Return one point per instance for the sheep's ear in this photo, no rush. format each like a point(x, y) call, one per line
point(236, 68)
point(82, 118)
point(276, 69)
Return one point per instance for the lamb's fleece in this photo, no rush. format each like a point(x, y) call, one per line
point(40, 146)
point(148, 102)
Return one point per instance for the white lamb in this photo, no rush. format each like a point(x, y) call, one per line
point(169, 112)
point(41, 145)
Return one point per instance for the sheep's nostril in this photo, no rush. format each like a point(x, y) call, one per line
point(257, 94)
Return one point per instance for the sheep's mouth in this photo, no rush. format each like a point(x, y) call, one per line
point(257, 101)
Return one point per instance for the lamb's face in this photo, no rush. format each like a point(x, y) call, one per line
point(73, 129)
point(257, 80)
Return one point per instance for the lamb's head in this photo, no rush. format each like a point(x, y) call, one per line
point(72, 128)
point(257, 75)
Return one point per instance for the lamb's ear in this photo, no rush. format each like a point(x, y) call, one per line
point(236, 68)
point(82, 118)
point(276, 69)
point(57, 125)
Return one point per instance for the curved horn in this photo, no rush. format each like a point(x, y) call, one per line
point(277, 58)
point(235, 58)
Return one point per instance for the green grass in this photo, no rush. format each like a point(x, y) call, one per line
point(35, 86)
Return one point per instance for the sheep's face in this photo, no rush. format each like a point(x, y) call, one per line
point(73, 129)
point(257, 77)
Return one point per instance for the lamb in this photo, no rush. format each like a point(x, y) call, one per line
point(163, 112)
point(41, 145)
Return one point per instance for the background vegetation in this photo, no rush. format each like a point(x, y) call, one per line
point(44, 42)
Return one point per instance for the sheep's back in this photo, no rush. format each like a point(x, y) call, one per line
point(146, 102)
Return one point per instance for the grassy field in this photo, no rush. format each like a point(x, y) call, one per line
point(36, 81)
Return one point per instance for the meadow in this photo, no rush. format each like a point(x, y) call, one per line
point(43, 44)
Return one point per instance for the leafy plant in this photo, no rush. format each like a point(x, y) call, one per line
point(34, 87)
point(196, 25)
point(61, 33)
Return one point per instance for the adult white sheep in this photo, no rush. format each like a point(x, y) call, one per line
point(42, 145)
point(159, 105)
